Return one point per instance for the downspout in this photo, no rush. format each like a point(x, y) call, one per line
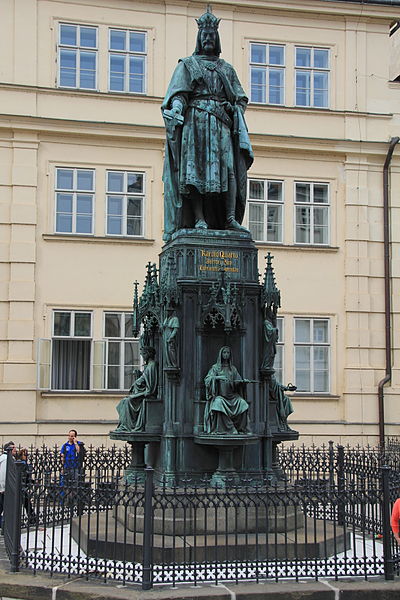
point(388, 308)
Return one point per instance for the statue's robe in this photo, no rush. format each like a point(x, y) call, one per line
point(131, 408)
point(226, 409)
point(284, 406)
point(212, 143)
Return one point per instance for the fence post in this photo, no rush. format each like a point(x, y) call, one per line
point(331, 464)
point(387, 545)
point(12, 516)
point(147, 578)
point(341, 486)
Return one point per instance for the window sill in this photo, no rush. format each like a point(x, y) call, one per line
point(109, 239)
point(313, 397)
point(297, 247)
point(314, 109)
point(87, 393)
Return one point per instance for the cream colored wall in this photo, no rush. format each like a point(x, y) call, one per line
point(42, 127)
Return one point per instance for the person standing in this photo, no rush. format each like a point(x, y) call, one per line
point(72, 456)
point(395, 520)
point(3, 471)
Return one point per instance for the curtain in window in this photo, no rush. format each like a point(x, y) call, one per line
point(71, 365)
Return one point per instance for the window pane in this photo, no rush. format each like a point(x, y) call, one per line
point(128, 325)
point(117, 73)
point(303, 192)
point(114, 353)
point(114, 225)
point(114, 205)
point(258, 84)
point(302, 330)
point(302, 225)
point(117, 39)
point(276, 55)
point(85, 180)
point(88, 37)
point(134, 207)
point(83, 224)
point(135, 182)
point(64, 203)
point(256, 189)
point(302, 359)
point(82, 324)
point(275, 191)
point(65, 178)
point(71, 364)
point(278, 363)
point(68, 35)
point(88, 70)
point(64, 223)
point(136, 74)
point(134, 226)
point(113, 378)
point(62, 323)
point(68, 68)
point(321, 59)
point(320, 331)
point(258, 53)
point(256, 221)
point(84, 204)
point(321, 89)
point(112, 325)
point(320, 193)
point(115, 181)
point(274, 223)
point(276, 86)
point(321, 229)
point(303, 88)
point(137, 41)
point(303, 57)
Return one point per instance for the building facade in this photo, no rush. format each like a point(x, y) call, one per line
point(81, 199)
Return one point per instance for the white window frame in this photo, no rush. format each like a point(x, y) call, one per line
point(266, 202)
point(75, 192)
point(313, 344)
point(121, 341)
point(312, 71)
point(71, 336)
point(125, 195)
point(128, 53)
point(78, 49)
point(312, 205)
point(267, 66)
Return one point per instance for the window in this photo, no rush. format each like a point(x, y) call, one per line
point(77, 56)
point(278, 362)
point(74, 200)
point(265, 210)
point(122, 350)
point(71, 350)
point(267, 74)
point(127, 61)
point(312, 77)
point(125, 197)
point(312, 355)
point(312, 213)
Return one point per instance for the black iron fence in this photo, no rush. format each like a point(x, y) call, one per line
point(330, 518)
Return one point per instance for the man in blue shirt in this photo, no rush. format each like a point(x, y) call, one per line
point(72, 455)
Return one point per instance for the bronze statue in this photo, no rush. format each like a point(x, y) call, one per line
point(226, 411)
point(170, 333)
point(271, 335)
point(284, 406)
point(131, 409)
point(208, 150)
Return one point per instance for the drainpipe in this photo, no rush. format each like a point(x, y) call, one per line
point(388, 309)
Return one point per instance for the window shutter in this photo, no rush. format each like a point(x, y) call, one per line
point(98, 370)
point(44, 364)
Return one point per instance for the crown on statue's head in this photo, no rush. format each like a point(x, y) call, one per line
point(208, 20)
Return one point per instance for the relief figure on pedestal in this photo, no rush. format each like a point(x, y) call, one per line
point(131, 409)
point(170, 330)
point(271, 335)
point(208, 149)
point(226, 411)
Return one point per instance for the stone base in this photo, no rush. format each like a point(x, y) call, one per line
point(167, 549)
